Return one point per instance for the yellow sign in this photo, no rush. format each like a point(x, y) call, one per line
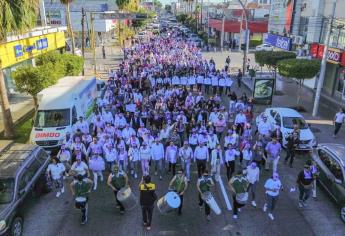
point(17, 51)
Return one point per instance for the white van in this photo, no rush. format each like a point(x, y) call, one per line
point(59, 107)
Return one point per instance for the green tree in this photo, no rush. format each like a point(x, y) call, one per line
point(299, 69)
point(121, 4)
point(158, 4)
point(71, 64)
point(271, 59)
point(16, 16)
point(67, 3)
point(32, 80)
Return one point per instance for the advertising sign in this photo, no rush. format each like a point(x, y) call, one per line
point(18, 51)
point(263, 90)
point(278, 41)
point(281, 15)
point(334, 55)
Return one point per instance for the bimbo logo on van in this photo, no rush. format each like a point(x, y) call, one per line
point(333, 56)
point(47, 135)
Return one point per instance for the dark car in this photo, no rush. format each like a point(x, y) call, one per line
point(330, 159)
point(22, 171)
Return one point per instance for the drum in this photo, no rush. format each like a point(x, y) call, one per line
point(167, 203)
point(211, 202)
point(80, 202)
point(127, 198)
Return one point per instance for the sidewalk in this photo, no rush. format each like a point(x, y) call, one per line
point(20, 106)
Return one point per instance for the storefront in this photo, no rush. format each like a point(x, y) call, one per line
point(16, 53)
point(335, 71)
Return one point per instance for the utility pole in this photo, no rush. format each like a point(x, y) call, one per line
point(222, 33)
point(323, 64)
point(93, 43)
point(246, 40)
point(83, 35)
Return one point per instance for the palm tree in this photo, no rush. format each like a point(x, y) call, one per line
point(67, 3)
point(16, 16)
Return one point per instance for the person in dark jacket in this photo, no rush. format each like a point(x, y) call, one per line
point(292, 143)
point(147, 199)
point(305, 184)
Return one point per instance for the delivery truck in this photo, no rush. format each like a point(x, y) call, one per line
point(60, 106)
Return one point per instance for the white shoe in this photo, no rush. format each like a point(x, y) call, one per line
point(265, 208)
point(63, 190)
point(135, 176)
point(94, 188)
point(253, 203)
point(58, 194)
point(234, 216)
point(239, 209)
point(271, 216)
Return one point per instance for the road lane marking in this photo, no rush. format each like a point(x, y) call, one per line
point(225, 195)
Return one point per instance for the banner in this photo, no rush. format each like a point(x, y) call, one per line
point(263, 90)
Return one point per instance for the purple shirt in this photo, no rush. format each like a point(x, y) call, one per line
point(273, 150)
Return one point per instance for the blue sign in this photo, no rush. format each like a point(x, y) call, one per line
point(18, 50)
point(42, 44)
point(30, 48)
point(278, 41)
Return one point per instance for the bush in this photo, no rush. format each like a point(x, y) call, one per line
point(299, 68)
point(271, 58)
point(255, 42)
point(71, 64)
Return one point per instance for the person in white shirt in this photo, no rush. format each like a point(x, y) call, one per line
point(253, 174)
point(186, 155)
point(107, 116)
point(110, 155)
point(339, 119)
point(221, 82)
point(230, 156)
point(217, 161)
point(214, 82)
point(272, 186)
point(97, 166)
point(134, 159)
point(201, 156)
point(157, 153)
point(212, 141)
point(122, 158)
point(193, 139)
point(207, 83)
point(145, 157)
point(127, 132)
point(55, 171)
point(200, 82)
point(247, 155)
point(171, 157)
point(64, 157)
point(82, 125)
point(265, 127)
point(79, 167)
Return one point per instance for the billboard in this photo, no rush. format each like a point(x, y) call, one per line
point(281, 42)
point(263, 90)
point(281, 16)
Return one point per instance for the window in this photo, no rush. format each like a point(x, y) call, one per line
point(41, 156)
point(273, 113)
point(74, 115)
point(6, 190)
point(277, 119)
point(289, 122)
point(52, 118)
point(331, 164)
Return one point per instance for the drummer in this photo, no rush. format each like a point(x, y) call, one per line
point(80, 189)
point(179, 184)
point(117, 180)
point(204, 185)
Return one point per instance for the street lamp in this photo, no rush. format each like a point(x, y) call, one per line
point(245, 52)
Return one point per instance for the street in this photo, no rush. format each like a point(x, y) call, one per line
point(49, 215)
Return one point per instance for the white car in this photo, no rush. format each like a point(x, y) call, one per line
point(264, 47)
point(286, 118)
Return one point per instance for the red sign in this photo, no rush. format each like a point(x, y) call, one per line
point(47, 135)
point(333, 55)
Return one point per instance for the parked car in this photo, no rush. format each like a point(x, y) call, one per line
point(330, 159)
point(22, 170)
point(286, 118)
point(264, 47)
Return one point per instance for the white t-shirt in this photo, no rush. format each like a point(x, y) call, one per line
point(339, 117)
point(56, 170)
point(79, 168)
point(271, 184)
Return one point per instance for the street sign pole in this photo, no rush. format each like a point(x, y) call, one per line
point(323, 64)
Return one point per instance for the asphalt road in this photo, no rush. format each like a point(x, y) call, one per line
point(49, 215)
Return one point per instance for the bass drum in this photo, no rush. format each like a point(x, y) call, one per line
point(168, 202)
point(127, 198)
point(211, 202)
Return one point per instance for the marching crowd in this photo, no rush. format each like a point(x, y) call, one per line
point(163, 110)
